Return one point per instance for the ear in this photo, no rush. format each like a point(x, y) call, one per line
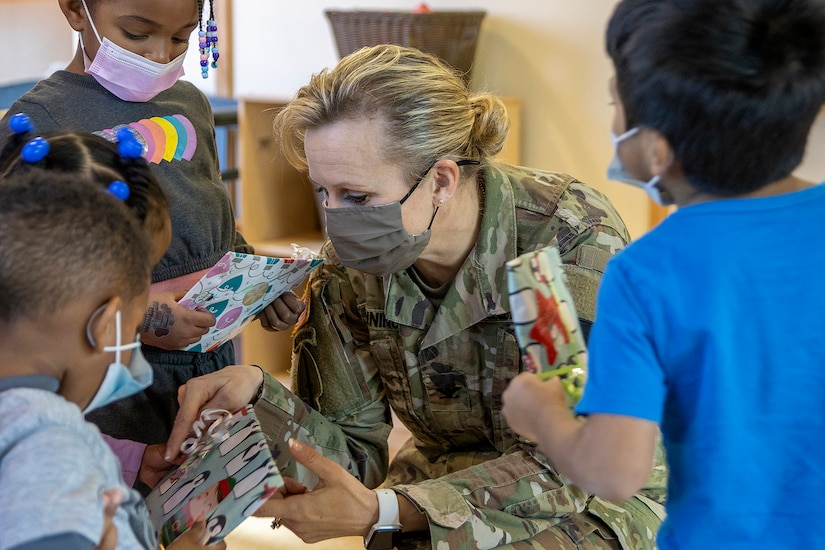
point(100, 331)
point(446, 180)
point(74, 13)
point(658, 154)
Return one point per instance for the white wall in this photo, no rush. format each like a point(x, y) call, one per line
point(35, 37)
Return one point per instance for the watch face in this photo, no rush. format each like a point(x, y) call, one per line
point(381, 538)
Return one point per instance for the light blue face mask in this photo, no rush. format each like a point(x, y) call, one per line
point(617, 172)
point(120, 381)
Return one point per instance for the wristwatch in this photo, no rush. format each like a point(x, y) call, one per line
point(383, 535)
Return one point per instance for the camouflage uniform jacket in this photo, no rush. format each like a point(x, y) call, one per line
point(369, 343)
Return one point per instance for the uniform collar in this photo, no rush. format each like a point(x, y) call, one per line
point(479, 289)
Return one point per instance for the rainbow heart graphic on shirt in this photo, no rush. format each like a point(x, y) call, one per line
point(164, 138)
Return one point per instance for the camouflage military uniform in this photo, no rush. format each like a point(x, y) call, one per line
point(369, 342)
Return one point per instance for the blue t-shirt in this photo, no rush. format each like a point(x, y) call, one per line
point(713, 325)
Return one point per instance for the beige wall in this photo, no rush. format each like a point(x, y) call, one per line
point(813, 166)
point(36, 36)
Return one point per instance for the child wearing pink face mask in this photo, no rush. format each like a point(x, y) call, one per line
point(125, 73)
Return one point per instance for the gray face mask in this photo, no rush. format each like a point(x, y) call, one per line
point(373, 239)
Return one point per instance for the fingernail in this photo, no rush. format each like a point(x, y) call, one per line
point(293, 443)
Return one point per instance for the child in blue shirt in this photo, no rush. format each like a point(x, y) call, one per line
point(710, 325)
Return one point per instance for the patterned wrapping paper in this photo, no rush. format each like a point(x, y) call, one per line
point(547, 327)
point(228, 474)
point(238, 288)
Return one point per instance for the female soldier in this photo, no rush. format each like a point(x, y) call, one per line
point(410, 312)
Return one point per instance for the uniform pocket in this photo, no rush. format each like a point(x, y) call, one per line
point(446, 388)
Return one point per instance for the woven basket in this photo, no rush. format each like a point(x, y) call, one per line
point(450, 35)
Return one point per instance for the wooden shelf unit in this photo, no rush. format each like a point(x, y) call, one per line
point(276, 207)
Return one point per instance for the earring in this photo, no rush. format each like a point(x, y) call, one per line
point(440, 201)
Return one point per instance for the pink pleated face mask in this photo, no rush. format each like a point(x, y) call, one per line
point(129, 76)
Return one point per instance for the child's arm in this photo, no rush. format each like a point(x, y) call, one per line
point(607, 455)
point(129, 454)
point(111, 501)
point(140, 462)
point(168, 325)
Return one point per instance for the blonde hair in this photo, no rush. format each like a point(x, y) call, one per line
point(425, 106)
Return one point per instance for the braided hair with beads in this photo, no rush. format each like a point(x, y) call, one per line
point(118, 166)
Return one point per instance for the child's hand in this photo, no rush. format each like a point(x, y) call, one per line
point(153, 466)
point(111, 502)
point(192, 538)
point(527, 399)
point(168, 325)
point(282, 313)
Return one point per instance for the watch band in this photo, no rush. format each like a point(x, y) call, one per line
point(388, 513)
point(382, 535)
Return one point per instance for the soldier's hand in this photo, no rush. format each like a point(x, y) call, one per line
point(282, 313)
point(339, 505)
point(230, 389)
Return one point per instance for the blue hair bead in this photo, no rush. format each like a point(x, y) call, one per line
point(120, 189)
point(124, 133)
point(130, 149)
point(21, 124)
point(35, 150)
point(127, 145)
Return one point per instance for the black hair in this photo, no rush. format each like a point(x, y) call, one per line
point(733, 85)
point(84, 153)
point(65, 238)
